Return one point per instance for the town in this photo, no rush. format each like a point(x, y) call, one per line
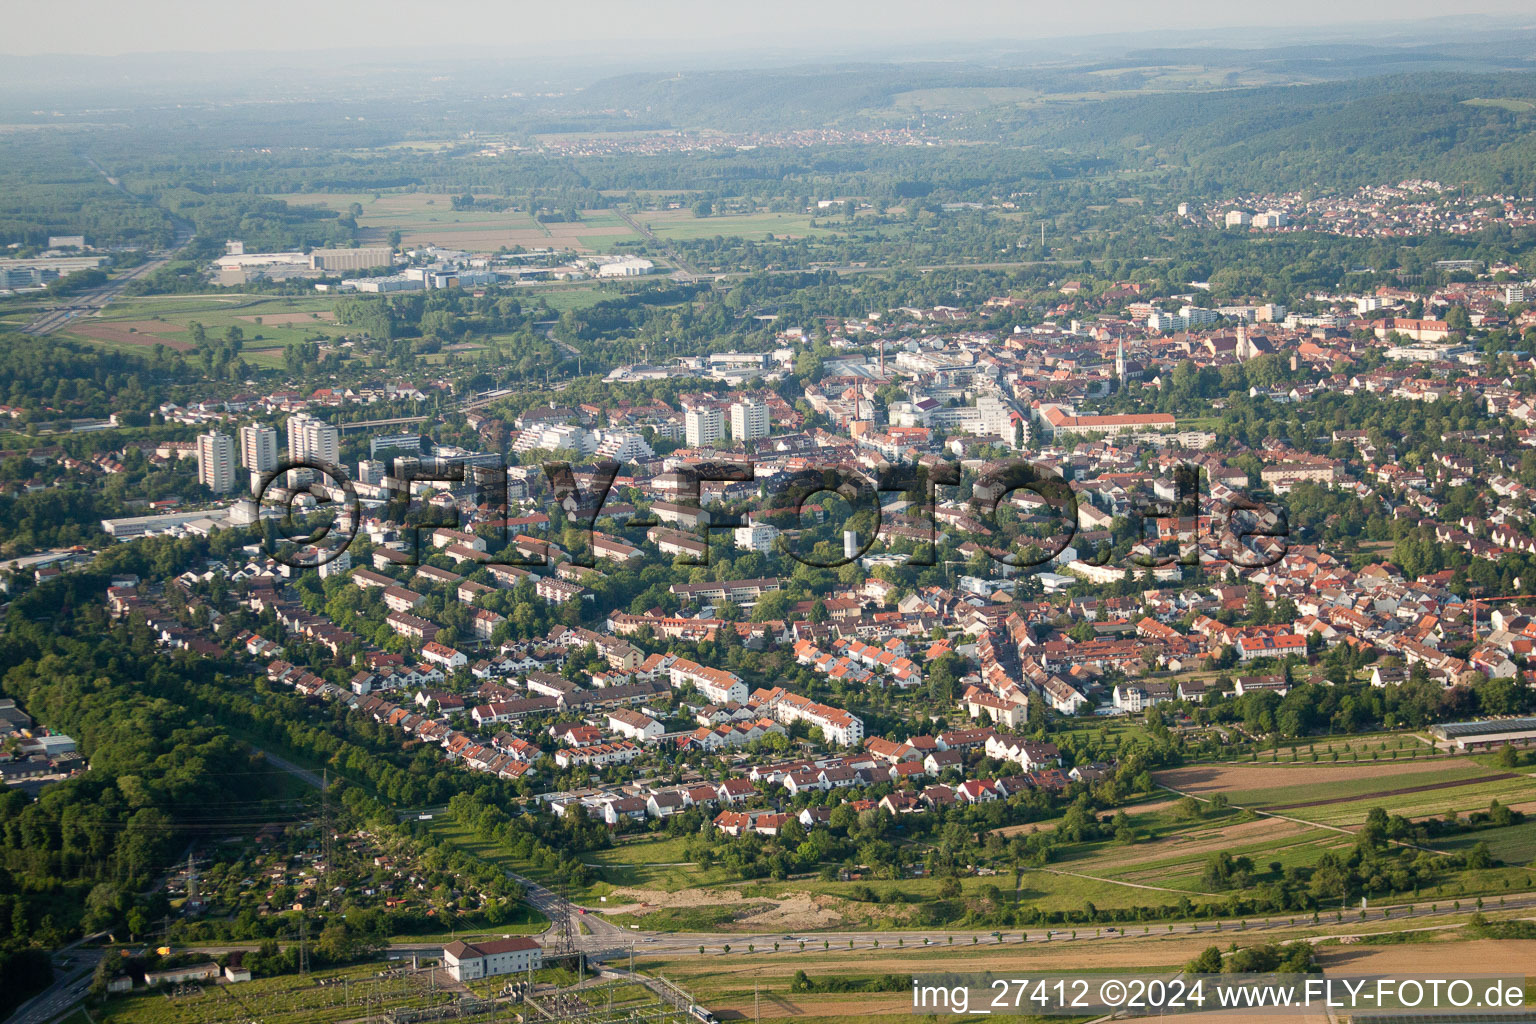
point(680, 549)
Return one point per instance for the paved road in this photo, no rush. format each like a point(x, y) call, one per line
point(609, 937)
point(688, 271)
point(86, 303)
point(83, 305)
point(1221, 932)
point(69, 987)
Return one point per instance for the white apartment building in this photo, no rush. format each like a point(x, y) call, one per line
point(258, 448)
point(216, 462)
point(757, 537)
point(1199, 316)
point(838, 726)
point(370, 471)
point(1166, 322)
point(749, 420)
point(703, 427)
point(313, 440)
point(624, 446)
point(555, 437)
point(717, 685)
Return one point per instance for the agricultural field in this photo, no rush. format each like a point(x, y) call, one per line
point(1306, 811)
point(1376, 746)
point(269, 323)
point(684, 226)
point(659, 863)
point(1515, 844)
point(428, 218)
point(1341, 794)
point(736, 986)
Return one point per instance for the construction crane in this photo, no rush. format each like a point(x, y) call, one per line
point(1478, 601)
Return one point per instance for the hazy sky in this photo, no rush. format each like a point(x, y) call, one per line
point(658, 26)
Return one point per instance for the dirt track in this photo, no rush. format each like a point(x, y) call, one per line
point(794, 911)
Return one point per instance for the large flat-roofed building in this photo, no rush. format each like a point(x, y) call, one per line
point(130, 527)
point(1486, 734)
point(365, 258)
point(393, 442)
point(34, 273)
point(487, 959)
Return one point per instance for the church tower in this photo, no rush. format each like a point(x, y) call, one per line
point(1120, 362)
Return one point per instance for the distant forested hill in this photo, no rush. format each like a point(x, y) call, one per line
point(1477, 129)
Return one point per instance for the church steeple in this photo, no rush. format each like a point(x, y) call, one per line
point(1120, 361)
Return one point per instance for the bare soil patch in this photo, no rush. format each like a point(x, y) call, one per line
point(1235, 778)
point(1481, 956)
point(799, 911)
point(122, 336)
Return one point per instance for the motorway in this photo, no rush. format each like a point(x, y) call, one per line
point(92, 301)
point(69, 987)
